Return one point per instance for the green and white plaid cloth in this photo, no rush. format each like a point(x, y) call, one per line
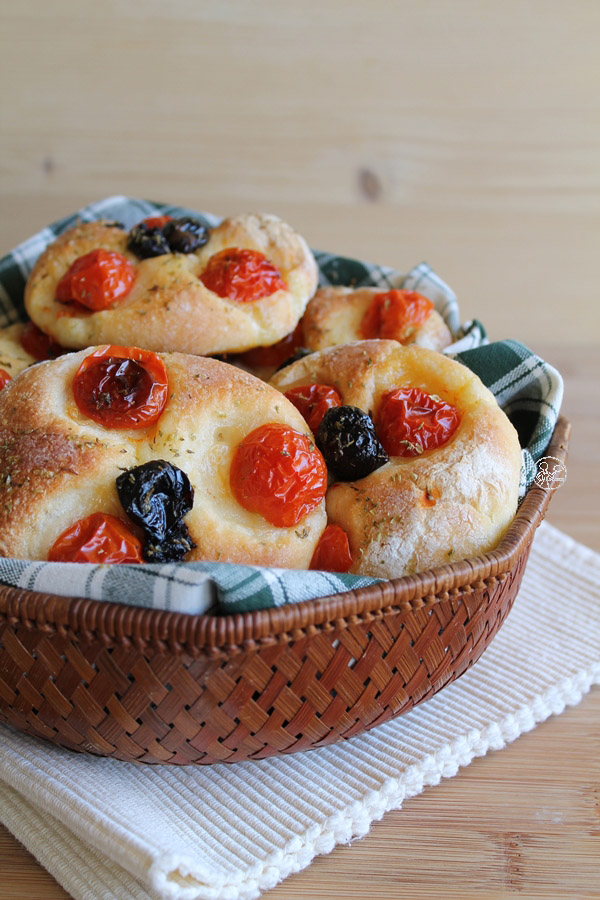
point(526, 387)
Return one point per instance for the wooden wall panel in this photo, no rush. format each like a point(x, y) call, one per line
point(465, 133)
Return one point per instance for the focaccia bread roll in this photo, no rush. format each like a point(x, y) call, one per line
point(61, 456)
point(256, 294)
point(427, 505)
point(340, 315)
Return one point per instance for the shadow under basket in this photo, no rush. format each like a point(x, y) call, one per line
point(162, 687)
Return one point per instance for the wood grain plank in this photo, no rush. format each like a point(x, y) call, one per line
point(444, 132)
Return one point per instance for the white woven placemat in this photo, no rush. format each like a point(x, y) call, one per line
point(109, 830)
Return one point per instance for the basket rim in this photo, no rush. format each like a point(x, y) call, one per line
point(117, 624)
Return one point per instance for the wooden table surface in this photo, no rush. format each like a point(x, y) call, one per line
point(459, 131)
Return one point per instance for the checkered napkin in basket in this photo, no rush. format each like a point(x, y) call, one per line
point(527, 388)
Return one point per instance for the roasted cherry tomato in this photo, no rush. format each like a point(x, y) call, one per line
point(156, 221)
point(242, 275)
point(395, 315)
point(312, 401)
point(279, 473)
point(410, 421)
point(121, 387)
point(276, 353)
point(96, 280)
point(332, 553)
point(38, 344)
point(4, 378)
point(99, 538)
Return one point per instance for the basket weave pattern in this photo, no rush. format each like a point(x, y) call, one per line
point(158, 687)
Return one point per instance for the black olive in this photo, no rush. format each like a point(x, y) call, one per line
point(346, 438)
point(185, 235)
point(172, 548)
point(300, 353)
point(156, 495)
point(146, 242)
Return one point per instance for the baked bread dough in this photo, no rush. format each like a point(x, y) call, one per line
point(447, 504)
point(13, 358)
point(169, 308)
point(334, 316)
point(58, 466)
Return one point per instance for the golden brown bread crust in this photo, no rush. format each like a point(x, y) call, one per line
point(168, 307)
point(334, 316)
point(13, 358)
point(57, 466)
point(447, 504)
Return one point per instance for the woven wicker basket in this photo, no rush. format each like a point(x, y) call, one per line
point(158, 687)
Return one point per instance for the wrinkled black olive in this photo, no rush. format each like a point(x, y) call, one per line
point(346, 438)
point(172, 548)
point(300, 353)
point(156, 495)
point(185, 235)
point(146, 242)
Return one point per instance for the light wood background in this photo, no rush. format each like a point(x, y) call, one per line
point(466, 133)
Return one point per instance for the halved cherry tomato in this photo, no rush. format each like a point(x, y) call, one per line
point(395, 315)
point(276, 353)
point(99, 538)
point(332, 553)
point(279, 473)
point(121, 387)
point(312, 401)
point(97, 279)
point(156, 221)
point(410, 421)
point(242, 275)
point(39, 344)
point(4, 378)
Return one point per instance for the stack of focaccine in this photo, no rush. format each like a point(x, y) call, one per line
point(384, 457)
